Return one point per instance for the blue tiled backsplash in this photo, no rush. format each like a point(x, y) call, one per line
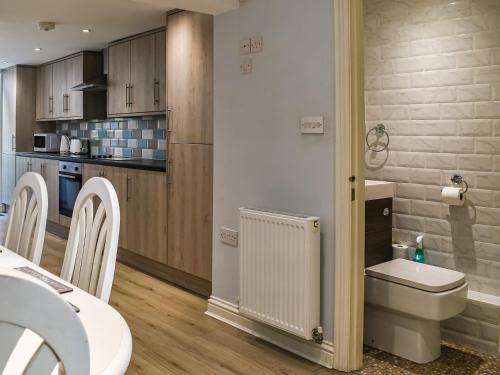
point(132, 137)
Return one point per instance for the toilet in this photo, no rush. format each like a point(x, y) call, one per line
point(405, 302)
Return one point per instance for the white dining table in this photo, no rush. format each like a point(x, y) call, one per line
point(110, 341)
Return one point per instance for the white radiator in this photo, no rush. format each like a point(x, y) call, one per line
point(280, 270)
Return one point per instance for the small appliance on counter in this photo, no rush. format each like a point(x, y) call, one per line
point(64, 148)
point(46, 142)
point(79, 146)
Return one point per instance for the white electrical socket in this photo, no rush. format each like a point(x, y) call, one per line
point(246, 65)
point(256, 44)
point(245, 46)
point(229, 236)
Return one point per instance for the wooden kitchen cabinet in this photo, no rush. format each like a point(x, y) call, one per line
point(190, 77)
point(49, 169)
point(118, 78)
point(56, 100)
point(118, 178)
point(190, 209)
point(146, 212)
point(18, 122)
point(22, 166)
point(136, 75)
point(44, 93)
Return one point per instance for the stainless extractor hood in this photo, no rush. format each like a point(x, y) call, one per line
point(98, 84)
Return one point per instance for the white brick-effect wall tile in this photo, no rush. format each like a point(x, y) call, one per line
point(433, 78)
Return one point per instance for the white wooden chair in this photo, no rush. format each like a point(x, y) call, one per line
point(28, 217)
point(89, 262)
point(38, 329)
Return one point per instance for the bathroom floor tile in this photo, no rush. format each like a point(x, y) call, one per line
point(454, 360)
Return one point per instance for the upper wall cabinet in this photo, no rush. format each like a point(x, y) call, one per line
point(136, 75)
point(190, 77)
point(55, 98)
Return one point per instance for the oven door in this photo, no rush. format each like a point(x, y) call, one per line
point(69, 187)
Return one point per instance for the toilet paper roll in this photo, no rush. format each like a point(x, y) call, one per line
point(453, 196)
point(399, 251)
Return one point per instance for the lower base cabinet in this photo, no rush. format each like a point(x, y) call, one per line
point(49, 170)
point(190, 209)
point(143, 208)
point(9, 177)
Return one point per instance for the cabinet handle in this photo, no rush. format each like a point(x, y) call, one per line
point(42, 170)
point(156, 91)
point(126, 95)
point(51, 104)
point(13, 142)
point(169, 115)
point(130, 95)
point(64, 102)
point(170, 165)
point(127, 188)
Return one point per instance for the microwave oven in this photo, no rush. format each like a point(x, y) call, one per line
point(46, 142)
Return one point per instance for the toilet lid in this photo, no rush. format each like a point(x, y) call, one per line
point(417, 275)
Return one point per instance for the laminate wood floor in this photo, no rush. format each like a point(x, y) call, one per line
point(172, 335)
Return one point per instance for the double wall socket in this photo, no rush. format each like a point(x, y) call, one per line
point(229, 236)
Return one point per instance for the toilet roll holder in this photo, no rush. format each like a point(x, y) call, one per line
point(458, 180)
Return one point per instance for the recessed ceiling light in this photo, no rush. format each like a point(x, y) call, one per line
point(38, 49)
point(86, 30)
point(5, 62)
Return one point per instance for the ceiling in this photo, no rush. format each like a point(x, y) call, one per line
point(108, 20)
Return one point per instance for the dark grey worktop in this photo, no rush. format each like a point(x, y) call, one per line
point(145, 164)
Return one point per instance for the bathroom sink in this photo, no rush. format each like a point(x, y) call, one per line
point(378, 189)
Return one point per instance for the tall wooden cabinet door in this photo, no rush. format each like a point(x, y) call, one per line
point(44, 92)
point(59, 87)
point(147, 214)
point(118, 78)
point(142, 74)
point(160, 71)
point(9, 177)
point(118, 178)
point(8, 111)
point(190, 209)
point(49, 169)
point(190, 77)
point(74, 76)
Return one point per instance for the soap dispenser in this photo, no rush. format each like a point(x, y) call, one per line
point(419, 252)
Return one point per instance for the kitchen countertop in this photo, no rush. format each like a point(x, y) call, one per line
point(144, 164)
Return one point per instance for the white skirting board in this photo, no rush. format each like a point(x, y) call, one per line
point(227, 312)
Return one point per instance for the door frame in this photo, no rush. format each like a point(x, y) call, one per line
point(349, 185)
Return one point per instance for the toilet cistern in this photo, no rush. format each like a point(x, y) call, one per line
point(419, 251)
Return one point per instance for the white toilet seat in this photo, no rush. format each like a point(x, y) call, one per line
point(417, 275)
point(404, 304)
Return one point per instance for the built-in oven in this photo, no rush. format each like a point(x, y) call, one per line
point(70, 183)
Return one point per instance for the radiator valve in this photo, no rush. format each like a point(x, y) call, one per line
point(317, 334)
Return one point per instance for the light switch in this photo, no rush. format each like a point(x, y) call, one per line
point(245, 46)
point(256, 44)
point(246, 65)
point(312, 125)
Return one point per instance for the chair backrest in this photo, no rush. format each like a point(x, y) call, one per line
point(38, 329)
point(89, 262)
point(28, 217)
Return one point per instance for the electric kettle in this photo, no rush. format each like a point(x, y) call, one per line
point(64, 146)
point(78, 146)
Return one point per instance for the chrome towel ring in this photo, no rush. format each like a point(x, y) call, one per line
point(380, 131)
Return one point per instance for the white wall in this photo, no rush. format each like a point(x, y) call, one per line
point(261, 159)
